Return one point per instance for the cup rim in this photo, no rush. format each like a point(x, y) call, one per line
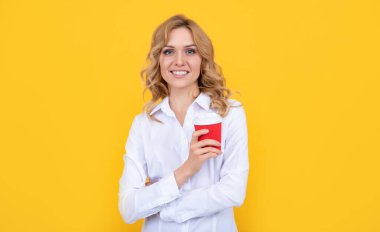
point(207, 118)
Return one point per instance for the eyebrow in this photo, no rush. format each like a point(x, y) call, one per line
point(185, 46)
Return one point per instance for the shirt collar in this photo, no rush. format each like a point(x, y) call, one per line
point(202, 100)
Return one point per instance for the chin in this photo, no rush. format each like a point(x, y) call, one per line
point(182, 83)
point(179, 86)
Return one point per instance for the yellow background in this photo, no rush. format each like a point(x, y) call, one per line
point(307, 72)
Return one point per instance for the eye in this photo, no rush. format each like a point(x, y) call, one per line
point(190, 51)
point(167, 51)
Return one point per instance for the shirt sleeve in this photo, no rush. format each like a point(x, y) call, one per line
point(230, 190)
point(136, 200)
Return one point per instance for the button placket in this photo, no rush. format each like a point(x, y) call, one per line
point(184, 146)
point(187, 134)
point(187, 125)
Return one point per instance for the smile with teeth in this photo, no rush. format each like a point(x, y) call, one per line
point(179, 73)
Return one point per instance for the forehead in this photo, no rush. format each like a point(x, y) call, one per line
point(180, 37)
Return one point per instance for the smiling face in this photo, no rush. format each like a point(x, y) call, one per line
point(180, 61)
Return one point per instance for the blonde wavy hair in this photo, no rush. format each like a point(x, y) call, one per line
point(211, 80)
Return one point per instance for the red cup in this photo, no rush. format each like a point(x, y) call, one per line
point(213, 123)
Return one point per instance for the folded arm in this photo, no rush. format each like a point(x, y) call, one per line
point(137, 201)
point(229, 191)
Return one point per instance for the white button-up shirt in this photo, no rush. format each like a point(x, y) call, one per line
point(205, 202)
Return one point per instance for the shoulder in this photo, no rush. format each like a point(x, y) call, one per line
point(234, 102)
point(235, 120)
point(236, 109)
point(142, 122)
point(138, 125)
point(140, 119)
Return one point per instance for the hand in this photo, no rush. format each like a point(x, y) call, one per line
point(198, 154)
point(149, 181)
point(200, 151)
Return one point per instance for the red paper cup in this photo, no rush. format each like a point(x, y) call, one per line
point(213, 123)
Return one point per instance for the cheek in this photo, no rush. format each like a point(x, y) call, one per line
point(164, 64)
point(164, 69)
point(196, 63)
point(161, 62)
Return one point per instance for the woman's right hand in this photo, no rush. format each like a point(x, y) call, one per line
point(198, 154)
point(200, 151)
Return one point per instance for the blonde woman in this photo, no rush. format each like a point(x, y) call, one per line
point(193, 186)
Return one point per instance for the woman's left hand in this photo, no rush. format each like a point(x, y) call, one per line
point(149, 181)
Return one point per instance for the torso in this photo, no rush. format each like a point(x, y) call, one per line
point(180, 118)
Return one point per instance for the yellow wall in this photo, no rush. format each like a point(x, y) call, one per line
point(307, 72)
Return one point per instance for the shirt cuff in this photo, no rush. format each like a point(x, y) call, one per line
point(167, 213)
point(168, 186)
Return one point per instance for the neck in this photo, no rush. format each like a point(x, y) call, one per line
point(180, 100)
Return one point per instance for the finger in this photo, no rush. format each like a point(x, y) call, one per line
point(203, 151)
point(150, 182)
point(206, 142)
point(196, 134)
point(209, 155)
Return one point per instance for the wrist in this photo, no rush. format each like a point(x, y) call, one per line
point(182, 174)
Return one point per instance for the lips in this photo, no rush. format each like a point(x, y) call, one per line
point(179, 73)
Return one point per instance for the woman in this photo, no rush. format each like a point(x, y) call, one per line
point(193, 185)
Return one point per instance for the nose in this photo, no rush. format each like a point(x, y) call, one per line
point(179, 59)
